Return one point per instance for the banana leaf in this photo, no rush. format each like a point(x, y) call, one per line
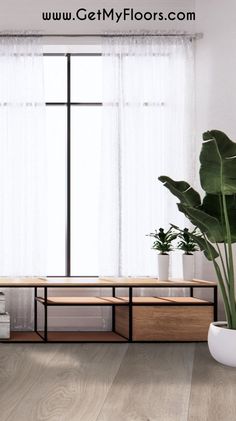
point(205, 246)
point(207, 224)
point(218, 163)
point(212, 205)
point(182, 190)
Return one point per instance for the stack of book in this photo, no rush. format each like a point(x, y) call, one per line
point(4, 318)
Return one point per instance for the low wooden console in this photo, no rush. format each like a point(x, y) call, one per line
point(134, 318)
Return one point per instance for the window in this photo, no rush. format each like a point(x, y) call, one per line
point(73, 84)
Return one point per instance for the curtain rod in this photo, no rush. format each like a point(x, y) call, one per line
point(194, 36)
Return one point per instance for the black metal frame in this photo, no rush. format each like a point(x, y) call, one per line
point(68, 104)
point(129, 304)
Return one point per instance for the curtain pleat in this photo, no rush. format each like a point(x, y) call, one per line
point(22, 170)
point(148, 131)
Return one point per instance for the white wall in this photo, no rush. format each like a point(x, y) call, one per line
point(26, 14)
point(216, 65)
point(215, 77)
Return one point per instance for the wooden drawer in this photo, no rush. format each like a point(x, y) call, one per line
point(166, 323)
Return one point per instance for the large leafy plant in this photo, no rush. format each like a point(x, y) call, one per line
point(215, 215)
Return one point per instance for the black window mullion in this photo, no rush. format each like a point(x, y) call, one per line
point(57, 104)
point(68, 171)
point(93, 104)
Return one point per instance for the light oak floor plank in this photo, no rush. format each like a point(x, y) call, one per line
point(152, 384)
point(73, 387)
point(213, 392)
point(20, 367)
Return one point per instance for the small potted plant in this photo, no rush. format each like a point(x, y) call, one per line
point(163, 244)
point(188, 246)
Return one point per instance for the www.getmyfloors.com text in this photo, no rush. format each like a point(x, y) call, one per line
point(127, 14)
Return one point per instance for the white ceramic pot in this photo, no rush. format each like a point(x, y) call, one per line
point(188, 266)
point(163, 267)
point(222, 343)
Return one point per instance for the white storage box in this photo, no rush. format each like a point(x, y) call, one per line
point(4, 326)
point(2, 303)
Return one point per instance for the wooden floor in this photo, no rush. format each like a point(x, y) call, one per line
point(114, 382)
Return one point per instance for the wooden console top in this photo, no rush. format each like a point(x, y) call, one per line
point(99, 282)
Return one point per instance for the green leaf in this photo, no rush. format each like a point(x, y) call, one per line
point(212, 206)
point(182, 190)
point(175, 227)
point(205, 246)
point(207, 224)
point(218, 163)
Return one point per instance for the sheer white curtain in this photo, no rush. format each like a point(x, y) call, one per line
point(147, 132)
point(22, 169)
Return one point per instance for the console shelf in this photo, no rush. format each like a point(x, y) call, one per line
point(150, 318)
point(80, 301)
point(108, 301)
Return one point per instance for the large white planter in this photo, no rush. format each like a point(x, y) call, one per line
point(188, 266)
point(163, 267)
point(222, 343)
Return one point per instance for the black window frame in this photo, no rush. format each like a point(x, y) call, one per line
point(69, 104)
